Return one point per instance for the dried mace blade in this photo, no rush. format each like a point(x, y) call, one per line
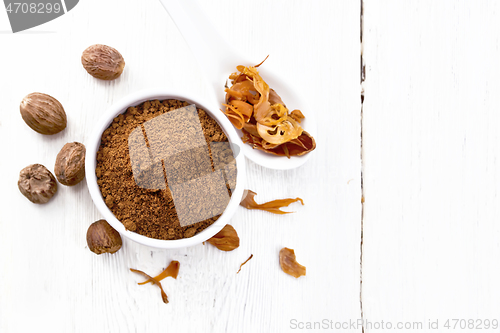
point(172, 270)
point(226, 240)
point(272, 206)
point(250, 102)
point(289, 264)
point(163, 295)
point(251, 256)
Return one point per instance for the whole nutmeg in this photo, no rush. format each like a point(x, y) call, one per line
point(43, 113)
point(37, 183)
point(102, 238)
point(103, 62)
point(70, 164)
point(226, 240)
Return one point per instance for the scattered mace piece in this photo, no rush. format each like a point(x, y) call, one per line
point(172, 270)
point(289, 265)
point(70, 164)
point(274, 206)
point(226, 240)
point(37, 183)
point(103, 62)
point(102, 238)
point(152, 279)
point(251, 256)
point(43, 113)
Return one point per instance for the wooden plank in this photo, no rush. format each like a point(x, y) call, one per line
point(430, 162)
point(49, 279)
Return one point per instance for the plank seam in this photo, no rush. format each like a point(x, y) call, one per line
point(362, 80)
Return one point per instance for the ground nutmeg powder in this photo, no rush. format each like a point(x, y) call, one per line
point(149, 212)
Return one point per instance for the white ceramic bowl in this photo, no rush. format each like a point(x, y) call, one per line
point(94, 142)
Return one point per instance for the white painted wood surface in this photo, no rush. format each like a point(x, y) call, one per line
point(430, 163)
point(50, 281)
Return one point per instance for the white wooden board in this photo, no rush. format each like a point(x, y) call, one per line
point(50, 281)
point(430, 164)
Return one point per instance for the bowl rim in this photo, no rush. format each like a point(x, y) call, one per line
point(136, 98)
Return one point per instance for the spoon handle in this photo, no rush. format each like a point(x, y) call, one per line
point(213, 54)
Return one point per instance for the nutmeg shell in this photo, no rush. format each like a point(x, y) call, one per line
point(37, 183)
point(102, 238)
point(43, 113)
point(103, 62)
point(70, 164)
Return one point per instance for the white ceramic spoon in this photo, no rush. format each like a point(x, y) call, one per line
point(218, 60)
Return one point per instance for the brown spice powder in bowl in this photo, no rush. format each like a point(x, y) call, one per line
point(148, 212)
